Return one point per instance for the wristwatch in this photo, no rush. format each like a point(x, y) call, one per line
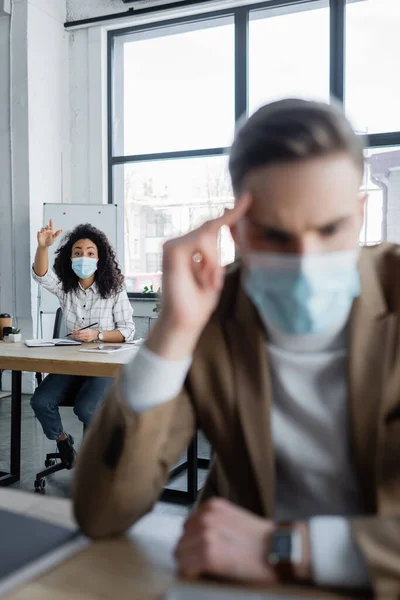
point(100, 336)
point(285, 551)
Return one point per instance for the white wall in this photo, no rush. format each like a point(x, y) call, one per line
point(34, 124)
point(48, 84)
point(15, 268)
point(5, 167)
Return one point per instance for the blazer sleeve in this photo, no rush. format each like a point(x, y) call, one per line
point(125, 461)
point(379, 541)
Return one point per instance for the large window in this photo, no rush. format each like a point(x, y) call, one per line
point(372, 91)
point(283, 61)
point(177, 88)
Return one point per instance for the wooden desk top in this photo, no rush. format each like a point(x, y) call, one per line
point(139, 566)
point(64, 360)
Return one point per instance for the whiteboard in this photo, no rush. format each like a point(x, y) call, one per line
point(106, 217)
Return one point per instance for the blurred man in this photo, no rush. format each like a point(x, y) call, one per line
point(287, 363)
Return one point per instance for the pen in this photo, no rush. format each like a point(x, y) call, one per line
point(87, 327)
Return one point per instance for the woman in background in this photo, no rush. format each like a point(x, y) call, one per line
point(90, 288)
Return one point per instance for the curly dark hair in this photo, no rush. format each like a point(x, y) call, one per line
point(109, 279)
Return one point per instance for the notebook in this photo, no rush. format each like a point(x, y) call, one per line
point(106, 349)
point(55, 342)
point(30, 546)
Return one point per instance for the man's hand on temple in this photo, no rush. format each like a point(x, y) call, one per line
point(223, 540)
point(192, 282)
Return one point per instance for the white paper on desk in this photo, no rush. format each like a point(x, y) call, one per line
point(43, 564)
point(209, 592)
point(107, 349)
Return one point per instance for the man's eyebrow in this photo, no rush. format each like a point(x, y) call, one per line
point(338, 221)
point(265, 226)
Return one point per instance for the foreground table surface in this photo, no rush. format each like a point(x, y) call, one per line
point(137, 566)
point(64, 360)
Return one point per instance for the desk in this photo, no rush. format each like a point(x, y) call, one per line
point(68, 360)
point(63, 360)
point(136, 567)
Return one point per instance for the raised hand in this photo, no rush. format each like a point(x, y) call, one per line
point(46, 236)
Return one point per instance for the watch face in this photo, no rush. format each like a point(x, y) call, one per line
point(101, 336)
point(281, 547)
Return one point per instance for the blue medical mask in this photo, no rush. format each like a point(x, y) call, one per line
point(302, 294)
point(84, 267)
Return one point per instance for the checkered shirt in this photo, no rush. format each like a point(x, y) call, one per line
point(83, 307)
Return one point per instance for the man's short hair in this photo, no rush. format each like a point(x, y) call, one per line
point(291, 130)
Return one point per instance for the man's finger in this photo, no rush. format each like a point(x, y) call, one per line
point(232, 216)
point(57, 233)
point(51, 223)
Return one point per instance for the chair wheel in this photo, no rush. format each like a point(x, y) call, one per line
point(49, 462)
point(40, 485)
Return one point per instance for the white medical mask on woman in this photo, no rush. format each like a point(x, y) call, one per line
point(302, 294)
point(84, 266)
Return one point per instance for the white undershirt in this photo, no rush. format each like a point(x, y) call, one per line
point(315, 478)
point(310, 425)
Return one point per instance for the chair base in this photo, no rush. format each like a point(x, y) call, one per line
point(52, 466)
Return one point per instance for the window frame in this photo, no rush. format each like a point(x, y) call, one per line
point(241, 17)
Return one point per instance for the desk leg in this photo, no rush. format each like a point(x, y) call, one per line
point(192, 472)
point(191, 466)
point(15, 455)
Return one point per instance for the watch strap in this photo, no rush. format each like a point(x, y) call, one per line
point(284, 541)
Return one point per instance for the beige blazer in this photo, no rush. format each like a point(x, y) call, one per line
point(126, 457)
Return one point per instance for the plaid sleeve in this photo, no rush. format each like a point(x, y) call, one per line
point(49, 281)
point(123, 316)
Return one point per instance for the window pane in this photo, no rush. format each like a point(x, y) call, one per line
point(289, 53)
point(372, 60)
point(176, 89)
point(166, 199)
point(382, 183)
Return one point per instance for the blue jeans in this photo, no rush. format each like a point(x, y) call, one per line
point(86, 392)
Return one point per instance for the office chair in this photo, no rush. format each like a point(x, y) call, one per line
point(58, 331)
point(53, 462)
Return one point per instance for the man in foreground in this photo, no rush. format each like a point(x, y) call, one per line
point(288, 364)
